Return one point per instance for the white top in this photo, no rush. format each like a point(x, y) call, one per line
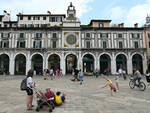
point(120, 71)
point(29, 80)
point(51, 71)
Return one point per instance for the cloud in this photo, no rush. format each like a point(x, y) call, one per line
point(137, 14)
point(117, 13)
point(42, 6)
point(130, 16)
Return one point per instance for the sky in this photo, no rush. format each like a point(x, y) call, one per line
point(128, 12)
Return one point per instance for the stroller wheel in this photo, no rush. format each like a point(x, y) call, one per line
point(50, 110)
point(37, 110)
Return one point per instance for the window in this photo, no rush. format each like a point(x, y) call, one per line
point(136, 45)
point(29, 17)
point(4, 44)
point(21, 17)
point(101, 25)
point(149, 35)
point(38, 35)
point(104, 35)
point(149, 44)
point(44, 17)
point(5, 35)
point(37, 44)
point(52, 19)
point(54, 35)
point(36, 25)
point(54, 44)
point(88, 44)
point(87, 35)
point(120, 44)
point(59, 19)
point(0, 25)
point(0, 19)
point(36, 18)
point(21, 35)
point(120, 36)
point(21, 44)
point(30, 25)
point(5, 25)
point(135, 35)
point(104, 44)
point(22, 25)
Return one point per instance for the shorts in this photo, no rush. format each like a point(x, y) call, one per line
point(29, 91)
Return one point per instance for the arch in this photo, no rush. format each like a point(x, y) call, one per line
point(138, 54)
point(54, 61)
point(37, 63)
point(88, 62)
point(72, 54)
point(71, 62)
point(36, 54)
point(52, 54)
point(5, 53)
point(20, 64)
point(4, 63)
point(137, 62)
point(19, 54)
point(121, 53)
point(106, 54)
point(90, 54)
point(105, 64)
point(121, 62)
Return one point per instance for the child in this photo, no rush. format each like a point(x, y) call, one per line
point(117, 80)
point(109, 82)
point(63, 98)
point(58, 101)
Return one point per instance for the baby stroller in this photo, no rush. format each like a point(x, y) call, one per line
point(148, 78)
point(43, 101)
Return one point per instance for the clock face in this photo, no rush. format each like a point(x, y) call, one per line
point(71, 39)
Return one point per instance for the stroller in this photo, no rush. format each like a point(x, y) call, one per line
point(148, 78)
point(43, 101)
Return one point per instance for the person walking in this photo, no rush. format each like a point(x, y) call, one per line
point(29, 90)
point(51, 73)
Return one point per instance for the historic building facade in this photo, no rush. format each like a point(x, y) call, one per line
point(44, 41)
point(147, 39)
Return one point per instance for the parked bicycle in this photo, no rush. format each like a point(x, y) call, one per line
point(141, 85)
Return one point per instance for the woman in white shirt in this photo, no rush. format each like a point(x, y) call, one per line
point(30, 86)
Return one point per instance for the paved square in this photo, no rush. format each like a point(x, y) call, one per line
point(86, 98)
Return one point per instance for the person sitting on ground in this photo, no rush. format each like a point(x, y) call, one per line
point(63, 97)
point(58, 101)
point(50, 95)
point(109, 82)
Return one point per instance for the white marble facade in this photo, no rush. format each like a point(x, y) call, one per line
point(68, 37)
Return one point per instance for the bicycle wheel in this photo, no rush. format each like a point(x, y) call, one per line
point(142, 86)
point(131, 84)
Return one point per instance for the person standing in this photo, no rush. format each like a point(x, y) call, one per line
point(51, 73)
point(29, 90)
point(81, 76)
point(117, 80)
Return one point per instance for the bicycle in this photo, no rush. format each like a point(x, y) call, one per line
point(141, 85)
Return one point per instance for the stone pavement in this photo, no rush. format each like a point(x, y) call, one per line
point(86, 98)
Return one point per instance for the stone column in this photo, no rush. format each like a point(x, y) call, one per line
point(79, 61)
point(129, 65)
point(113, 64)
point(28, 63)
point(11, 65)
point(144, 64)
point(44, 61)
point(62, 64)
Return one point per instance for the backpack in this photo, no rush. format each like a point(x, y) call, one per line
point(23, 85)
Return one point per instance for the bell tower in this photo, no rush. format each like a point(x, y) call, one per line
point(71, 12)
